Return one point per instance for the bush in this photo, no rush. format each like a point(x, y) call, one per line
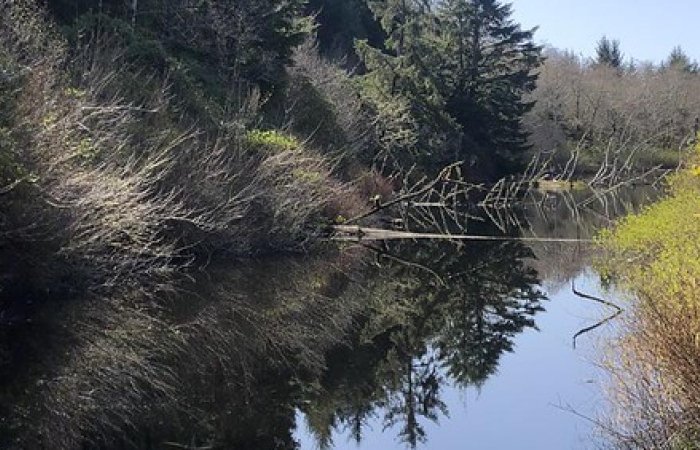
point(138, 190)
point(271, 141)
point(656, 363)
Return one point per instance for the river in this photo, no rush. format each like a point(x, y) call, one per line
point(371, 345)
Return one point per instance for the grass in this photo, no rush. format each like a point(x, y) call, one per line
point(655, 366)
point(130, 190)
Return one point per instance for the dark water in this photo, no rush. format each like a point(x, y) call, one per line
point(431, 344)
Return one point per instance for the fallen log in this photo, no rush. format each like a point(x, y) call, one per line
point(359, 233)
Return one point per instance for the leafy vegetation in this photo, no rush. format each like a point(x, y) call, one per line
point(450, 83)
point(656, 254)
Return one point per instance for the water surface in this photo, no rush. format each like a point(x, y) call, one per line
point(428, 344)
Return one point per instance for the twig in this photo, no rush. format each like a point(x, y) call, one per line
point(442, 176)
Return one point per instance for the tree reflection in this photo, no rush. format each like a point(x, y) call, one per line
point(439, 312)
point(228, 360)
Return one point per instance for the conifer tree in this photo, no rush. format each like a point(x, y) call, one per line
point(608, 53)
point(488, 66)
point(679, 60)
point(400, 82)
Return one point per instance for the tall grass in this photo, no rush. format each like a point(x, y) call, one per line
point(129, 187)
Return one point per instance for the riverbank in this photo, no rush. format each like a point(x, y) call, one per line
point(655, 365)
point(115, 171)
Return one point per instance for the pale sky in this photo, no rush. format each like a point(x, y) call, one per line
point(647, 29)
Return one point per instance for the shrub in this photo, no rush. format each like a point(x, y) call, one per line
point(656, 363)
point(271, 141)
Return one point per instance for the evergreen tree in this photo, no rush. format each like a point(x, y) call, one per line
point(679, 60)
point(488, 65)
point(608, 53)
point(250, 40)
point(400, 83)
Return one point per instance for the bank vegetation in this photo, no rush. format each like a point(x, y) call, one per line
point(654, 365)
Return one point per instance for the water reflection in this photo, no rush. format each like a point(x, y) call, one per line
point(450, 313)
point(229, 360)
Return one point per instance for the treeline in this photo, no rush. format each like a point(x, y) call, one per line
point(606, 111)
point(441, 81)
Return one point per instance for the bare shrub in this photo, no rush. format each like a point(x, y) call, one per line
point(323, 105)
point(654, 387)
point(620, 122)
point(138, 194)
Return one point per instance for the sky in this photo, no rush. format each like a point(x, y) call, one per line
point(523, 405)
point(647, 29)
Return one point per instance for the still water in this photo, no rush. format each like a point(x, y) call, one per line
point(380, 345)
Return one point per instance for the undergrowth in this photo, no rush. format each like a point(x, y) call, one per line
point(655, 366)
point(124, 174)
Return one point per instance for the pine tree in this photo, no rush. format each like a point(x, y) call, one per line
point(679, 60)
point(489, 64)
point(608, 53)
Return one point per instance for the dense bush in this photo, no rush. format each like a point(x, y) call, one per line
point(639, 117)
point(124, 182)
point(655, 365)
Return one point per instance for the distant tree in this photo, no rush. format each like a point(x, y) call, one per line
point(608, 53)
point(679, 60)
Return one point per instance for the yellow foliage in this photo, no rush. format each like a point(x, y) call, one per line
point(656, 255)
point(271, 140)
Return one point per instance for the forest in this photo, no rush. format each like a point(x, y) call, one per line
point(143, 140)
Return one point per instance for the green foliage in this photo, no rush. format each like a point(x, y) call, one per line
point(608, 53)
point(460, 73)
point(272, 141)
point(488, 66)
point(679, 60)
point(656, 255)
point(308, 176)
point(656, 252)
point(250, 40)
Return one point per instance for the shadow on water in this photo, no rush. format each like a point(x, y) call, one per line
point(228, 360)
